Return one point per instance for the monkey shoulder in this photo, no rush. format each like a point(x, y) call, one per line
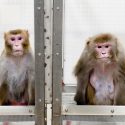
point(3, 62)
point(28, 60)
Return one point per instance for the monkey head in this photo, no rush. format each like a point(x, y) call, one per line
point(103, 46)
point(16, 42)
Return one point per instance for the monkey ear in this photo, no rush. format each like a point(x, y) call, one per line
point(88, 42)
point(27, 33)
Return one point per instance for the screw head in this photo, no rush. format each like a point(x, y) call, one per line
point(112, 111)
point(38, 8)
point(66, 110)
point(39, 54)
point(40, 100)
point(57, 54)
point(30, 111)
point(57, 8)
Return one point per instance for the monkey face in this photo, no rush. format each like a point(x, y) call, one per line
point(15, 42)
point(103, 50)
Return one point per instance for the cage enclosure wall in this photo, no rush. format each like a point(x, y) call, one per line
point(22, 61)
point(82, 20)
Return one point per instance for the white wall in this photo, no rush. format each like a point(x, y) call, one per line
point(85, 18)
point(16, 14)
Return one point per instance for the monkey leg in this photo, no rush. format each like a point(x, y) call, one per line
point(4, 94)
point(80, 98)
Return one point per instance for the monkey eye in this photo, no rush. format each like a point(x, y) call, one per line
point(106, 46)
point(12, 39)
point(99, 46)
point(20, 38)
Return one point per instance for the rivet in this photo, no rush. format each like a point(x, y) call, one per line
point(57, 54)
point(40, 100)
point(38, 8)
point(57, 8)
point(66, 110)
point(112, 111)
point(39, 54)
point(57, 99)
point(30, 111)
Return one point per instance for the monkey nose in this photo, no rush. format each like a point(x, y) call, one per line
point(103, 53)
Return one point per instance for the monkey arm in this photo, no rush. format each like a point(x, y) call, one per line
point(119, 81)
point(80, 96)
point(79, 67)
point(31, 88)
point(3, 70)
point(82, 72)
point(31, 85)
point(90, 94)
point(3, 81)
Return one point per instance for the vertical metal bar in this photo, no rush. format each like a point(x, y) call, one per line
point(48, 24)
point(57, 62)
point(39, 62)
point(48, 20)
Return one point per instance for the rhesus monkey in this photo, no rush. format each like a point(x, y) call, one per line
point(100, 72)
point(17, 83)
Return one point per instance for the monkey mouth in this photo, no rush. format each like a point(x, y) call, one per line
point(104, 57)
point(18, 53)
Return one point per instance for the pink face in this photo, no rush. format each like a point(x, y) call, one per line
point(16, 42)
point(103, 50)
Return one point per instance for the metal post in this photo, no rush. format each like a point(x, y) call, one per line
point(39, 62)
point(57, 62)
point(48, 18)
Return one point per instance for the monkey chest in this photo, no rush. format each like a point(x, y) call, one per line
point(17, 80)
point(103, 84)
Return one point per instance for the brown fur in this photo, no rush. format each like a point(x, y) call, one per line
point(17, 82)
point(85, 92)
